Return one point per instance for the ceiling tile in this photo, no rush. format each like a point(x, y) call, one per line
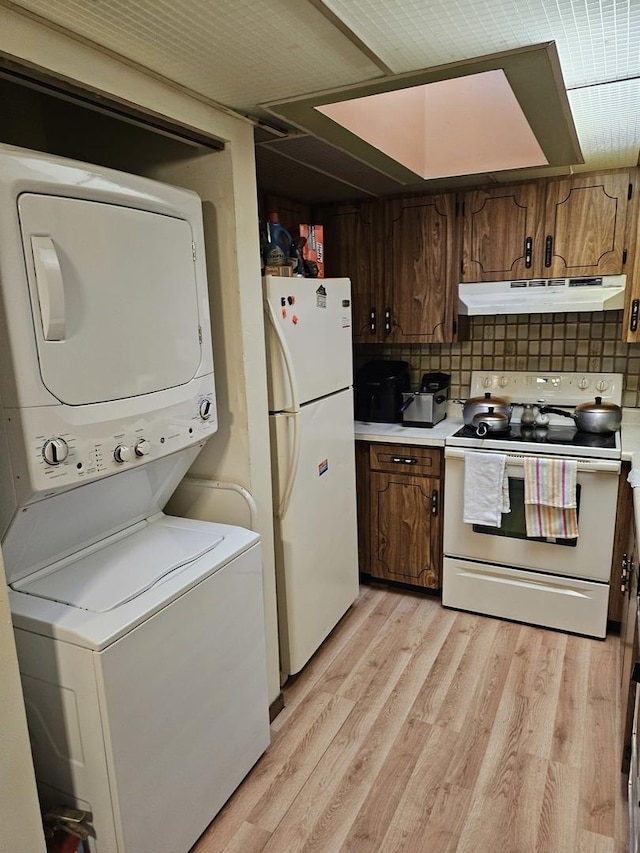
point(236, 52)
point(596, 39)
point(607, 119)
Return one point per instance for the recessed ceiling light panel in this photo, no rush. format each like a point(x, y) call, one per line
point(460, 126)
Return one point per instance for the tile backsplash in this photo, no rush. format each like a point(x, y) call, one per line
point(588, 342)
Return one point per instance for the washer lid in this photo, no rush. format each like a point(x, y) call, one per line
point(114, 298)
point(117, 572)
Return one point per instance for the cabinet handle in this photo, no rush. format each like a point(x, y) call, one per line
point(528, 252)
point(405, 460)
point(434, 502)
point(372, 320)
point(635, 310)
point(387, 321)
point(548, 249)
point(625, 574)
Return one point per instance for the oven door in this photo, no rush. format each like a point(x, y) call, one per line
point(587, 557)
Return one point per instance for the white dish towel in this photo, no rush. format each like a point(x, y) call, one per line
point(486, 488)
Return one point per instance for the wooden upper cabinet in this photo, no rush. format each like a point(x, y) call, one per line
point(351, 239)
point(546, 229)
point(400, 257)
point(585, 221)
point(419, 269)
point(502, 230)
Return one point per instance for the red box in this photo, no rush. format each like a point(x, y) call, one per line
point(313, 245)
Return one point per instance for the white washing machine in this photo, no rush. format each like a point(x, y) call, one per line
point(140, 636)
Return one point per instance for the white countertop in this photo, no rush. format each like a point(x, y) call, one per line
point(398, 434)
point(630, 435)
point(435, 436)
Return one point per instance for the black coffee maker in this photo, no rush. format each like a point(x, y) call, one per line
point(378, 389)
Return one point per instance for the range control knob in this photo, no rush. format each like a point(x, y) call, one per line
point(205, 409)
point(55, 450)
point(143, 447)
point(122, 453)
point(503, 382)
point(487, 381)
point(602, 385)
point(583, 383)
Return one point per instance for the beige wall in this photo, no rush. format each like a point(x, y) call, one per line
point(226, 181)
point(20, 824)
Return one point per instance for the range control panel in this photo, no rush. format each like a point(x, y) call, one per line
point(551, 388)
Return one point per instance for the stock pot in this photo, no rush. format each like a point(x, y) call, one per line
point(485, 404)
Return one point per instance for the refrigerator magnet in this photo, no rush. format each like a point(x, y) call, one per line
point(323, 467)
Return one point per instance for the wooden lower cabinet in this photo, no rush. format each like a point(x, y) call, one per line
point(628, 640)
point(362, 495)
point(624, 523)
point(404, 532)
point(403, 503)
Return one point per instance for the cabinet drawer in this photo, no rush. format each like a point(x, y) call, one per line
point(412, 460)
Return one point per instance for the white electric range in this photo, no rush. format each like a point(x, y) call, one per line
point(500, 571)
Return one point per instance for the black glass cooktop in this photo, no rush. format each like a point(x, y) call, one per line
point(556, 434)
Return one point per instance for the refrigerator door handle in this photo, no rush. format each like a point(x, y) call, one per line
point(293, 465)
point(286, 356)
point(295, 410)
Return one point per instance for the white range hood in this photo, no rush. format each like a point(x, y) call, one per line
point(542, 295)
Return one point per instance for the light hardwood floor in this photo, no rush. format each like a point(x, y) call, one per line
point(426, 730)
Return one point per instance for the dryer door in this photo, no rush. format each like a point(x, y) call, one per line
point(114, 300)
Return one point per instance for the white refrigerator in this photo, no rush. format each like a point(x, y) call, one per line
point(310, 374)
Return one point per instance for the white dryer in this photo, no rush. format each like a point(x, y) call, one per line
point(140, 637)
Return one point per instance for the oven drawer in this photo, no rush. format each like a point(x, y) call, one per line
point(395, 458)
point(551, 601)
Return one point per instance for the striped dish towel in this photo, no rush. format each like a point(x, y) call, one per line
point(550, 505)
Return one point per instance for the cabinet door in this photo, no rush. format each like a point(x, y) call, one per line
point(629, 642)
point(585, 225)
point(419, 274)
point(405, 529)
point(362, 496)
point(352, 248)
point(502, 233)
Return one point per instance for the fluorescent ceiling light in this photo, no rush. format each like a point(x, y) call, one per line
point(460, 126)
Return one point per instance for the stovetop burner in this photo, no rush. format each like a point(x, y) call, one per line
point(553, 434)
point(534, 389)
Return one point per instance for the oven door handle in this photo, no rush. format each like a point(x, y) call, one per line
point(599, 466)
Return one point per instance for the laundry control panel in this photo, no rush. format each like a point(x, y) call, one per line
point(62, 454)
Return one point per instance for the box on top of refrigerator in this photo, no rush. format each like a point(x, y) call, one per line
point(312, 240)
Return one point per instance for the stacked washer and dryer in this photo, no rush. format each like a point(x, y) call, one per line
point(140, 636)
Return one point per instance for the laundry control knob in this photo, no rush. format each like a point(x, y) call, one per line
point(122, 453)
point(205, 409)
point(142, 447)
point(55, 450)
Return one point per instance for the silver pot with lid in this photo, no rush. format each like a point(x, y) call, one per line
point(596, 417)
point(489, 422)
point(485, 404)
